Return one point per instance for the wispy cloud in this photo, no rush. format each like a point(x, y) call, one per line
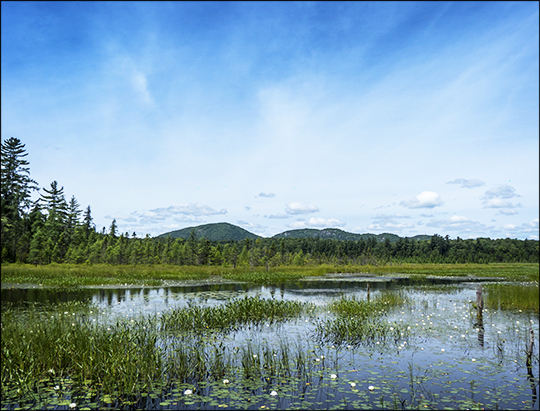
point(426, 199)
point(474, 182)
point(195, 209)
point(277, 216)
point(264, 195)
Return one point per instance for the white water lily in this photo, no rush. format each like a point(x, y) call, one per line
point(72, 405)
point(273, 393)
point(188, 392)
point(333, 376)
point(225, 381)
point(442, 349)
point(371, 388)
point(353, 384)
point(57, 387)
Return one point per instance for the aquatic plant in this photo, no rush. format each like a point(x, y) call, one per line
point(523, 296)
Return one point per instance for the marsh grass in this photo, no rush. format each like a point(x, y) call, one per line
point(232, 315)
point(513, 296)
point(43, 347)
point(359, 321)
point(154, 275)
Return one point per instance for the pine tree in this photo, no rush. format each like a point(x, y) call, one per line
point(15, 189)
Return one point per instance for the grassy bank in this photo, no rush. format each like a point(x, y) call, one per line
point(154, 275)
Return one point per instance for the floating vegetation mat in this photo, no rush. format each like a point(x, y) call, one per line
point(271, 348)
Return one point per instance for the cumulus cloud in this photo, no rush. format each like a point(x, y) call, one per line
point(501, 191)
point(473, 182)
point(457, 223)
point(497, 197)
point(299, 208)
point(387, 222)
point(269, 195)
point(426, 199)
point(507, 211)
point(532, 226)
point(498, 203)
point(317, 222)
point(254, 228)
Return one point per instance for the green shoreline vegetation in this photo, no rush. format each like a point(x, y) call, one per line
point(54, 230)
point(67, 275)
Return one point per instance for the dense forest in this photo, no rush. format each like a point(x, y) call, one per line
point(53, 230)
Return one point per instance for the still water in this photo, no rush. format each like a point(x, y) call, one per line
point(447, 359)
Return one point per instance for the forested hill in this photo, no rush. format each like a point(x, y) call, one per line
point(212, 232)
point(228, 232)
point(337, 234)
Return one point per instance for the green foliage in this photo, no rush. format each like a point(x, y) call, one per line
point(513, 296)
point(58, 236)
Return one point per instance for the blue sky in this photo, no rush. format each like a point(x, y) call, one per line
point(408, 118)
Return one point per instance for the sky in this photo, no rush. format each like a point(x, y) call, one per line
point(371, 117)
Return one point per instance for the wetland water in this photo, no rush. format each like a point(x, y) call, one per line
point(438, 354)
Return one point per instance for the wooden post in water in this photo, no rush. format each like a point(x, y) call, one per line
point(479, 315)
point(530, 350)
point(479, 301)
point(368, 291)
point(529, 366)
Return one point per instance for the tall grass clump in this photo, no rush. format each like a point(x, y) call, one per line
point(52, 346)
point(513, 296)
point(359, 321)
point(231, 315)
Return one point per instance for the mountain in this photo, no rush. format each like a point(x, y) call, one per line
point(226, 231)
point(213, 232)
point(335, 234)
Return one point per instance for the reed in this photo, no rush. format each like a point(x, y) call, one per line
point(232, 315)
point(513, 296)
point(358, 321)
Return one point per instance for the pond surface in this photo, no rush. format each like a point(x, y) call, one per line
point(446, 358)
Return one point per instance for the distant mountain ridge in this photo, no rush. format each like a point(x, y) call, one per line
point(227, 231)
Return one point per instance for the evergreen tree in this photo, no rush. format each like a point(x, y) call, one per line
point(15, 189)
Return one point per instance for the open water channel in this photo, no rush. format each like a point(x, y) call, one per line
point(446, 359)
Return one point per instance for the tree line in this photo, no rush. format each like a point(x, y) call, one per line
point(53, 230)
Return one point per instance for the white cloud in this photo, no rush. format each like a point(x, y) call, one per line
point(501, 191)
point(498, 203)
point(474, 182)
point(140, 84)
point(269, 195)
point(299, 208)
point(457, 223)
point(426, 199)
point(389, 226)
point(195, 209)
point(277, 216)
point(506, 211)
point(317, 222)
